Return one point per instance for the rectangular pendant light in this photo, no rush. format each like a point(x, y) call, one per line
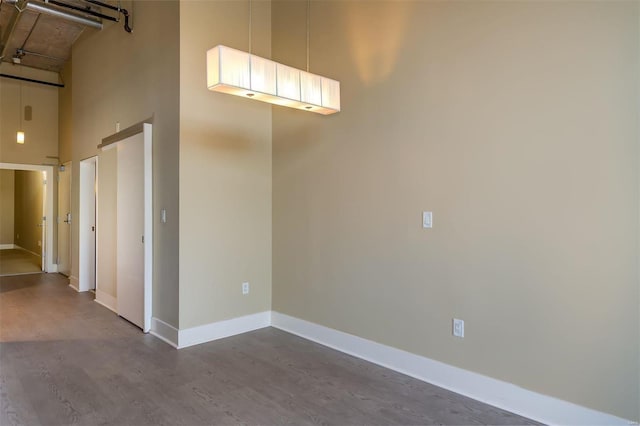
point(242, 74)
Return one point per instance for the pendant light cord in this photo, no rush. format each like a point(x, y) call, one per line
point(308, 20)
point(21, 110)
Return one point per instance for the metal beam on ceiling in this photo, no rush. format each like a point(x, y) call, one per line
point(54, 11)
point(11, 27)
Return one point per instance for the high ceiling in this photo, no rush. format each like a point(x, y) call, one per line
point(39, 34)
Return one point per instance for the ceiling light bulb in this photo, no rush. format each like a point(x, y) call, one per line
point(20, 137)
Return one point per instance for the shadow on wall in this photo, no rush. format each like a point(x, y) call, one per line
point(206, 137)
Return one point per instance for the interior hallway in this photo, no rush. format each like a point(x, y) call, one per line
point(17, 262)
point(65, 359)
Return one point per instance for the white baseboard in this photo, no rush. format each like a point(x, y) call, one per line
point(106, 300)
point(74, 283)
point(491, 391)
point(165, 332)
point(500, 394)
point(7, 246)
point(74, 287)
point(53, 269)
point(221, 329)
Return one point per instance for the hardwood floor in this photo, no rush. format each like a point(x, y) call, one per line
point(67, 360)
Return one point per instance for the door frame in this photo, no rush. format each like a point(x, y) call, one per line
point(66, 167)
point(47, 194)
point(111, 142)
point(88, 195)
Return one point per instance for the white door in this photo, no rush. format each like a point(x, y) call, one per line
point(43, 224)
point(130, 225)
point(87, 225)
point(64, 219)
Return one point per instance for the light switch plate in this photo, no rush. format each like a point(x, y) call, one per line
point(458, 327)
point(245, 288)
point(427, 219)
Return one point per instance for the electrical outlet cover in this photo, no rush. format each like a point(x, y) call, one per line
point(427, 219)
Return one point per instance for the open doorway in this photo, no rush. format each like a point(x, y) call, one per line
point(26, 210)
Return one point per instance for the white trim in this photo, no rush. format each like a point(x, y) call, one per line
point(221, 329)
point(74, 287)
point(48, 208)
point(30, 167)
point(7, 246)
point(106, 300)
point(165, 332)
point(148, 226)
point(500, 394)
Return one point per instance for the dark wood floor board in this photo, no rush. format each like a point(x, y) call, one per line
point(64, 359)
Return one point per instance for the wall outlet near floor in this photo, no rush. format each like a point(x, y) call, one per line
point(458, 327)
point(245, 288)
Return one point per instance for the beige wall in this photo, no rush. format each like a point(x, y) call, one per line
point(65, 114)
point(7, 191)
point(41, 133)
point(107, 242)
point(516, 124)
point(225, 171)
point(127, 78)
point(28, 210)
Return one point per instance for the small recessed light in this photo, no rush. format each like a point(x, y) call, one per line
point(308, 107)
point(251, 95)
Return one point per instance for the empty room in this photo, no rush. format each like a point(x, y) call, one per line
point(337, 212)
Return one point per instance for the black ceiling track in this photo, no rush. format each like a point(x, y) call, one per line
point(31, 80)
point(125, 12)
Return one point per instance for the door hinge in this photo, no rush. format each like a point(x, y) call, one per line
point(143, 239)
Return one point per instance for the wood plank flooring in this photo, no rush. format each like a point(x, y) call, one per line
point(67, 360)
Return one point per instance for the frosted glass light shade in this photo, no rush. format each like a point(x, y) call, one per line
point(20, 137)
point(242, 74)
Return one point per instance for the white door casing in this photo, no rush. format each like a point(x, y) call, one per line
point(64, 219)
